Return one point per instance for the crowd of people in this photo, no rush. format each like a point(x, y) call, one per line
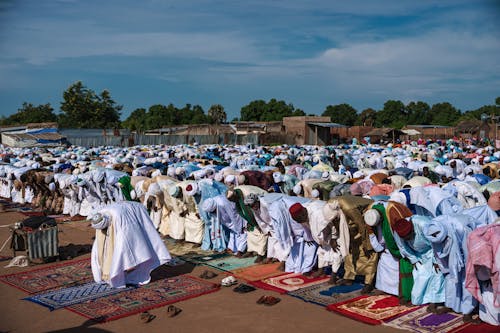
point(417, 220)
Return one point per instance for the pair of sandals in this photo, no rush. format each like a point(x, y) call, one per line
point(147, 317)
point(268, 300)
point(208, 275)
point(243, 288)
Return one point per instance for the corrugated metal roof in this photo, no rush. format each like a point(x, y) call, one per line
point(331, 125)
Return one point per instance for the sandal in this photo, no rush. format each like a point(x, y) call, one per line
point(243, 288)
point(208, 275)
point(173, 311)
point(262, 299)
point(146, 317)
point(271, 300)
point(229, 281)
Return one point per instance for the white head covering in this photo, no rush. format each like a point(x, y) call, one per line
point(372, 217)
point(191, 189)
point(229, 179)
point(315, 193)
point(297, 189)
point(209, 205)
point(278, 177)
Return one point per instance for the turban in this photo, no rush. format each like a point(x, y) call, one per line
point(325, 175)
point(278, 177)
point(494, 201)
point(315, 193)
point(229, 179)
point(209, 205)
point(296, 210)
point(218, 177)
point(403, 227)
point(297, 189)
point(372, 217)
point(381, 189)
point(191, 189)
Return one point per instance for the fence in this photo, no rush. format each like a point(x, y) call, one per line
point(123, 138)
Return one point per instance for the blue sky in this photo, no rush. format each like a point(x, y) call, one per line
point(308, 53)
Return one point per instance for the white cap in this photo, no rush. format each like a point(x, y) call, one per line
point(372, 217)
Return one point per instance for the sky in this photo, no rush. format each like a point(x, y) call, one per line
point(203, 52)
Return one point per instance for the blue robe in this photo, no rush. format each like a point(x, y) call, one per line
point(428, 284)
point(448, 236)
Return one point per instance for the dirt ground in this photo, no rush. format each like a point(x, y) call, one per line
point(222, 311)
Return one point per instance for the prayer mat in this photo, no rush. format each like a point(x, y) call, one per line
point(68, 296)
point(324, 294)
point(153, 295)
point(184, 248)
point(47, 278)
point(373, 310)
point(481, 328)
point(288, 282)
point(258, 272)
point(230, 263)
point(66, 218)
point(196, 258)
point(421, 321)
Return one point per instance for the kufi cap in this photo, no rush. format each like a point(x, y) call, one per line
point(372, 217)
point(296, 210)
point(174, 191)
point(403, 227)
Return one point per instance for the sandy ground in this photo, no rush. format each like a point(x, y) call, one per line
point(222, 311)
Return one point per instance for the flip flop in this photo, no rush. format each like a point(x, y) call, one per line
point(173, 311)
point(146, 317)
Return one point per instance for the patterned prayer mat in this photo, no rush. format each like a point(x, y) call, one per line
point(372, 310)
point(288, 282)
point(203, 258)
point(31, 212)
point(68, 296)
point(258, 272)
point(47, 278)
point(230, 263)
point(155, 294)
point(324, 293)
point(421, 321)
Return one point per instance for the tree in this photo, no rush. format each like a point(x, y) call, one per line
point(273, 110)
point(444, 114)
point(418, 113)
point(392, 115)
point(83, 108)
point(136, 121)
point(366, 117)
point(29, 113)
point(342, 113)
point(217, 113)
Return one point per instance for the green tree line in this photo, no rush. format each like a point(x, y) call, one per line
point(82, 107)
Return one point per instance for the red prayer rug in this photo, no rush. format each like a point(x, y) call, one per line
point(288, 282)
point(373, 310)
point(258, 272)
point(66, 274)
point(421, 321)
point(153, 295)
point(481, 328)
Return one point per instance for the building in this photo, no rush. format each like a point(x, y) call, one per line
point(32, 135)
point(311, 130)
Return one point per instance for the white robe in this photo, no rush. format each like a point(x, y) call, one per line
point(138, 247)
